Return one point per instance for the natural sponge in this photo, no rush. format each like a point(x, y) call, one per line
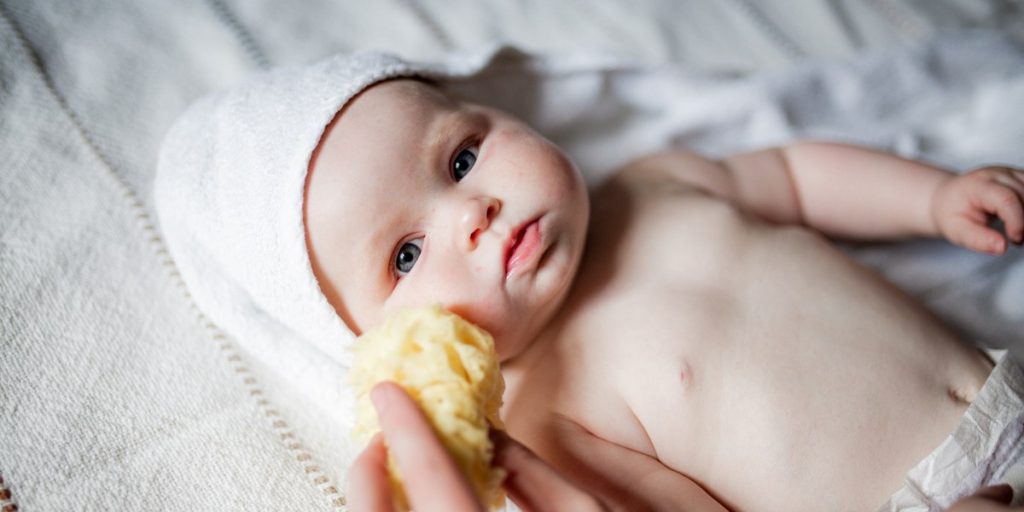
point(450, 368)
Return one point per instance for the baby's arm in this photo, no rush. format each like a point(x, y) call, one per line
point(623, 479)
point(854, 192)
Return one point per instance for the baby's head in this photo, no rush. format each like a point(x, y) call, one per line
point(414, 197)
point(312, 202)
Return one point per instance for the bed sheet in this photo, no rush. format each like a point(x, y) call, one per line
point(115, 392)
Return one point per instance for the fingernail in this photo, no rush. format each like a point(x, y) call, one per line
point(377, 438)
point(1002, 493)
point(379, 395)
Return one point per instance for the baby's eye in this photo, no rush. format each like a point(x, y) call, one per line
point(463, 162)
point(407, 255)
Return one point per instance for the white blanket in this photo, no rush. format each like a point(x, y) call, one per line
point(114, 394)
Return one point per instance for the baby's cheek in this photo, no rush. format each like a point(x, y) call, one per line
point(475, 304)
point(484, 310)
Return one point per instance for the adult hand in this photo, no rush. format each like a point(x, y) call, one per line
point(995, 498)
point(533, 484)
point(433, 482)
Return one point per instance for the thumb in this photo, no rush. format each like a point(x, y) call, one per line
point(535, 485)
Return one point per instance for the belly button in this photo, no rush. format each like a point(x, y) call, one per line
point(964, 394)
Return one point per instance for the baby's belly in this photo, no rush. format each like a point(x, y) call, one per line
point(803, 382)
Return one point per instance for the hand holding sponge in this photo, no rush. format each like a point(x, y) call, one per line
point(450, 368)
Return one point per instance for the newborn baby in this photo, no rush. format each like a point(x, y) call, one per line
point(684, 336)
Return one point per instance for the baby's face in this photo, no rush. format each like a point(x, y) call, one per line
point(416, 199)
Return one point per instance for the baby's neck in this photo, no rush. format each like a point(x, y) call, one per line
point(542, 351)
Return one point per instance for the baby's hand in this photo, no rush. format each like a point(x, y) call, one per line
point(962, 205)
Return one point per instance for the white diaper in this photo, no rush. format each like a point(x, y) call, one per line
point(987, 448)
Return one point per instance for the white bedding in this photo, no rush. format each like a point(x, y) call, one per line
point(115, 393)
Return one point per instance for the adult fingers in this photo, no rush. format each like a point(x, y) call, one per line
point(988, 499)
point(533, 484)
point(433, 483)
point(369, 487)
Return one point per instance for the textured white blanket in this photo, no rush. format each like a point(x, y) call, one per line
point(115, 393)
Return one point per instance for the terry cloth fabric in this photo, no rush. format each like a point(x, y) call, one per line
point(987, 448)
point(229, 194)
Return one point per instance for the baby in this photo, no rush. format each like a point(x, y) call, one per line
point(681, 337)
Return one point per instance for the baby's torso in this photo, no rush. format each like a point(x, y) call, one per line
point(757, 360)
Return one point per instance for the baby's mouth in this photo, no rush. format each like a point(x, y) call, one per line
point(522, 247)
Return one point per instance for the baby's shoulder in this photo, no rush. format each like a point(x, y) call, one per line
point(671, 170)
point(666, 187)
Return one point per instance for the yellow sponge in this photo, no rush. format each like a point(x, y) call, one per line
point(450, 368)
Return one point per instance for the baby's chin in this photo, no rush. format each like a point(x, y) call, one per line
point(552, 288)
point(509, 348)
point(519, 334)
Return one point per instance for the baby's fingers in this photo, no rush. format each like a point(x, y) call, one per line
point(976, 236)
point(1013, 178)
point(1006, 202)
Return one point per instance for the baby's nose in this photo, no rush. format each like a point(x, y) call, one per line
point(475, 217)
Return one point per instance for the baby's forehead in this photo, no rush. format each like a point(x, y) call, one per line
point(366, 157)
point(404, 93)
point(377, 144)
point(380, 111)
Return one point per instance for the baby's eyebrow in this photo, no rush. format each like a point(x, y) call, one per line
point(443, 128)
point(453, 122)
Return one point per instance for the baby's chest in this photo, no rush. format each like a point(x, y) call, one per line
point(672, 292)
point(640, 360)
point(655, 301)
point(663, 279)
